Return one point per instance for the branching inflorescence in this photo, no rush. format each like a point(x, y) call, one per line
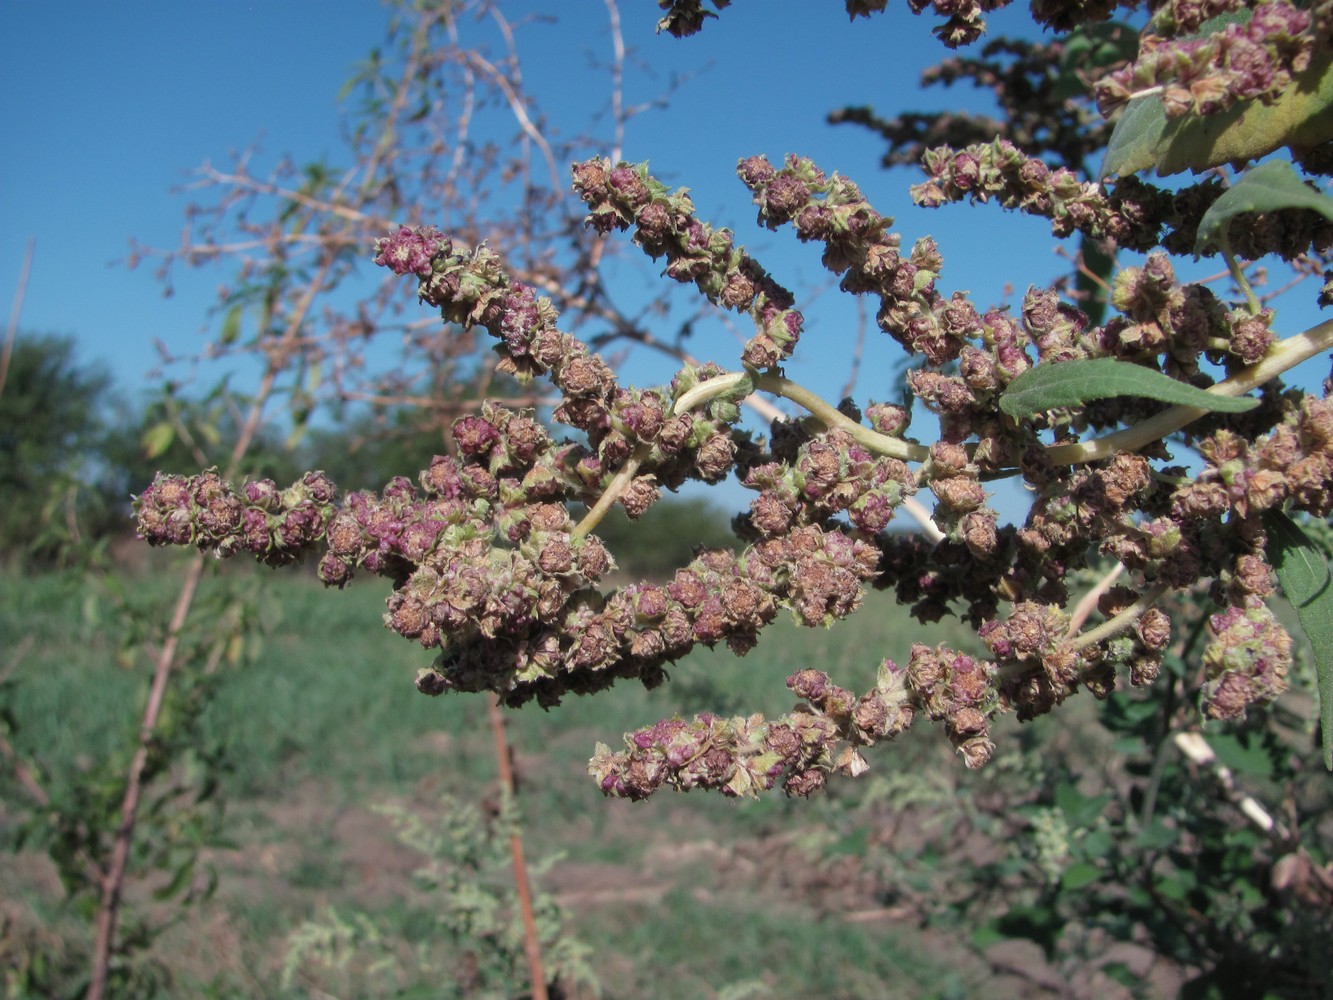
point(490, 567)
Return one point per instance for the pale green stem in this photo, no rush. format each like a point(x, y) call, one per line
point(702, 393)
point(1238, 276)
point(707, 391)
point(1146, 92)
point(611, 494)
point(1281, 356)
point(1123, 620)
point(719, 385)
point(1112, 626)
point(880, 444)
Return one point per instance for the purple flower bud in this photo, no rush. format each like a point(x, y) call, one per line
point(256, 531)
point(319, 487)
point(262, 493)
point(755, 171)
point(781, 200)
point(626, 181)
point(333, 571)
point(475, 435)
point(805, 783)
point(400, 489)
point(411, 251)
point(809, 684)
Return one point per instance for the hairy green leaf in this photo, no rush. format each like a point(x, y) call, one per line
point(1269, 187)
point(1135, 138)
point(1300, 119)
point(1302, 570)
point(1072, 383)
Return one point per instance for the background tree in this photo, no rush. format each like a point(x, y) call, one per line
point(53, 414)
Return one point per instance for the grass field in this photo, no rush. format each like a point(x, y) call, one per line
point(680, 896)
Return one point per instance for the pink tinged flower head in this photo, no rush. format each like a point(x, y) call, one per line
point(475, 435)
point(412, 250)
point(262, 493)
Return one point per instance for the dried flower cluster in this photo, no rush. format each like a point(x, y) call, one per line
point(665, 225)
point(1253, 59)
point(1129, 213)
point(1247, 661)
point(277, 527)
point(490, 567)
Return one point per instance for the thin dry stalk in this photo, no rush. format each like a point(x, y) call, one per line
point(11, 333)
point(531, 945)
point(113, 882)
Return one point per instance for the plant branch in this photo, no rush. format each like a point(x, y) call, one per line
point(617, 80)
point(531, 943)
point(1123, 620)
point(114, 881)
point(759, 404)
point(618, 484)
point(1282, 356)
point(1196, 748)
point(1238, 276)
point(818, 407)
point(1089, 600)
point(11, 332)
point(519, 112)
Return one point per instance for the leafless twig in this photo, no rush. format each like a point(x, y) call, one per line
point(11, 332)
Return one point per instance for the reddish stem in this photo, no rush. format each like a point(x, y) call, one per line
point(114, 880)
point(531, 946)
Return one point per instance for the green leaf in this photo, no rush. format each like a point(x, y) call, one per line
point(1078, 876)
point(1079, 810)
point(179, 878)
point(1244, 753)
point(988, 934)
point(1174, 889)
point(209, 431)
point(1269, 187)
point(1072, 383)
point(1093, 280)
point(157, 439)
point(1096, 844)
point(1156, 836)
point(231, 325)
point(1088, 47)
point(1302, 570)
point(1123, 975)
point(1135, 139)
point(1299, 120)
point(1139, 897)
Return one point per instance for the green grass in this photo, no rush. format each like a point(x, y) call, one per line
point(707, 947)
point(319, 719)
